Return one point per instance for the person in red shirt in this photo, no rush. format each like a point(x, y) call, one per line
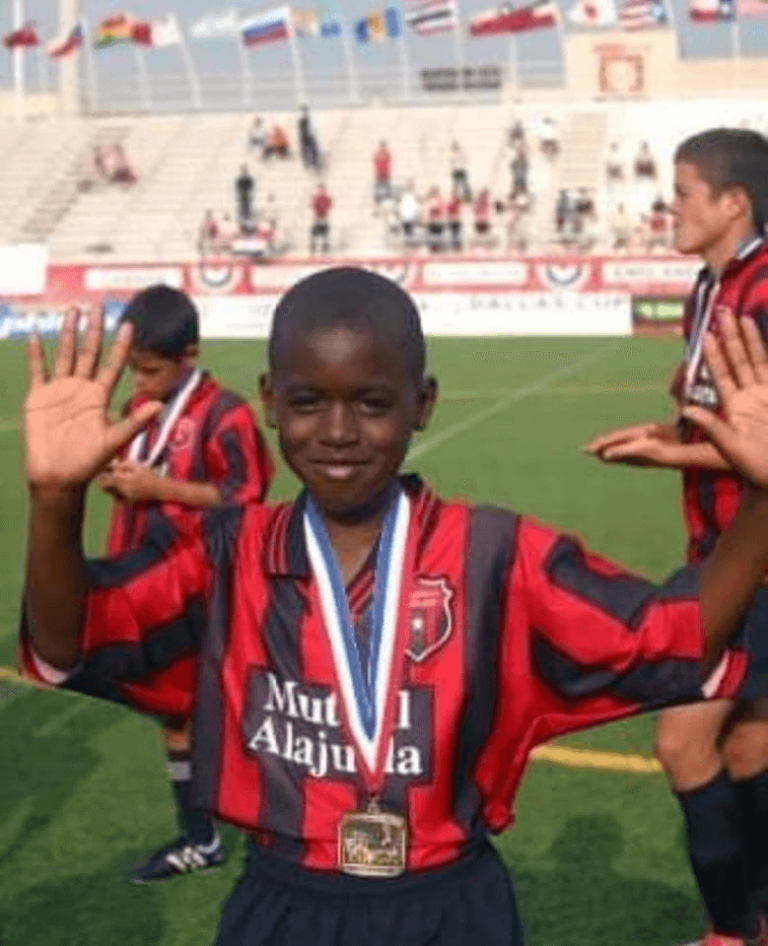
point(453, 216)
point(716, 754)
point(203, 451)
point(382, 173)
point(321, 225)
point(434, 212)
point(377, 663)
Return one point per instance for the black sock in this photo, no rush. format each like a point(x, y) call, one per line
point(753, 797)
point(195, 824)
point(713, 825)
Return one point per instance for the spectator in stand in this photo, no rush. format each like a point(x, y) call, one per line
point(310, 152)
point(209, 235)
point(408, 211)
point(518, 214)
point(562, 213)
point(645, 166)
point(658, 226)
point(516, 134)
point(101, 169)
point(257, 137)
point(549, 140)
point(614, 167)
point(382, 173)
point(620, 229)
point(434, 210)
point(453, 218)
point(122, 171)
point(321, 209)
point(519, 169)
point(459, 172)
point(482, 214)
point(277, 143)
point(585, 219)
point(245, 187)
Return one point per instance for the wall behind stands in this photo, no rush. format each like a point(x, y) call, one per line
point(461, 296)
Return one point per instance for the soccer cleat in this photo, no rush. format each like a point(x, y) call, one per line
point(179, 857)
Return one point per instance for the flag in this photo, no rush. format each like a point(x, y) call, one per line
point(306, 23)
point(213, 25)
point(67, 43)
point(752, 8)
point(432, 16)
point(506, 19)
point(592, 13)
point(22, 38)
point(267, 27)
point(640, 14)
point(378, 25)
point(165, 32)
point(120, 28)
point(710, 11)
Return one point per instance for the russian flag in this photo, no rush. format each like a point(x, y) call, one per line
point(267, 27)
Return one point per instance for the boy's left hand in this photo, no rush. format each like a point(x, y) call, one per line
point(135, 483)
point(641, 445)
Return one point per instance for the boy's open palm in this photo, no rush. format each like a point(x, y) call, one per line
point(739, 368)
point(68, 434)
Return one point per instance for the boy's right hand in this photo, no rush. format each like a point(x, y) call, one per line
point(68, 435)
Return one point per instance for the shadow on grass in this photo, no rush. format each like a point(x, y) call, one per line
point(583, 901)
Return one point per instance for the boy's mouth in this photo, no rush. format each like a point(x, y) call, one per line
point(338, 469)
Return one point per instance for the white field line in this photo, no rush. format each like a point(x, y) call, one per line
point(514, 395)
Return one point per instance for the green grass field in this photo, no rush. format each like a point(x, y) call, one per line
point(598, 856)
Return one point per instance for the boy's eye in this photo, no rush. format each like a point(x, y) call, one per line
point(305, 401)
point(375, 404)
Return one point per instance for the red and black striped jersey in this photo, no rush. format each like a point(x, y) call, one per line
point(216, 440)
point(516, 635)
point(711, 497)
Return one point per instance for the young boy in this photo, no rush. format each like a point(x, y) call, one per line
point(203, 450)
point(715, 754)
point(377, 663)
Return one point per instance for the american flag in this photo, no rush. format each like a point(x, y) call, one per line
point(640, 14)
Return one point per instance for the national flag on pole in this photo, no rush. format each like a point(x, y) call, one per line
point(592, 13)
point(269, 27)
point(66, 43)
point(22, 38)
point(710, 11)
point(752, 9)
point(309, 23)
point(642, 14)
point(378, 26)
point(214, 25)
point(165, 32)
point(535, 16)
point(120, 28)
point(432, 16)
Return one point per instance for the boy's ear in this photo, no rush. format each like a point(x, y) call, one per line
point(267, 396)
point(427, 400)
point(191, 352)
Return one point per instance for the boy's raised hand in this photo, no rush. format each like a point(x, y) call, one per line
point(68, 434)
point(739, 368)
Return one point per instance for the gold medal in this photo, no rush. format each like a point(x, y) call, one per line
point(372, 843)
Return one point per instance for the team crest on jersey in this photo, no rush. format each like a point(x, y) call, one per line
point(181, 436)
point(429, 618)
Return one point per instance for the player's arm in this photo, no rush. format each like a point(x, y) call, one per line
point(135, 483)
point(655, 445)
point(236, 458)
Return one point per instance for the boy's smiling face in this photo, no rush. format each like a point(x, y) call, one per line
point(345, 404)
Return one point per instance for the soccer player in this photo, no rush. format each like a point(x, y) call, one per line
point(204, 450)
point(377, 662)
point(715, 754)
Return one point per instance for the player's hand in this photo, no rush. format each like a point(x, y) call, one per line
point(68, 435)
point(135, 483)
point(739, 369)
point(641, 444)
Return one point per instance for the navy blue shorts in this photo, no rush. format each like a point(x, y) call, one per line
point(467, 903)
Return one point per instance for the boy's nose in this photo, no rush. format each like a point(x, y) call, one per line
point(342, 424)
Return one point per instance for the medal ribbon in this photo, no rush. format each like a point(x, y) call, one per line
point(368, 694)
point(170, 415)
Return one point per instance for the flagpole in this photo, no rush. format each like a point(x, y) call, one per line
point(189, 62)
point(40, 69)
point(18, 61)
point(354, 88)
point(298, 69)
point(459, 48)
point(403, 49)
point(513, 64)
point(90, 63)
point(143, 72)
point(736, 51)
point(242, 52)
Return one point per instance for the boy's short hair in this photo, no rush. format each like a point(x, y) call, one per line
point(354, 298)
point(731, 157)
point(165, 321)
